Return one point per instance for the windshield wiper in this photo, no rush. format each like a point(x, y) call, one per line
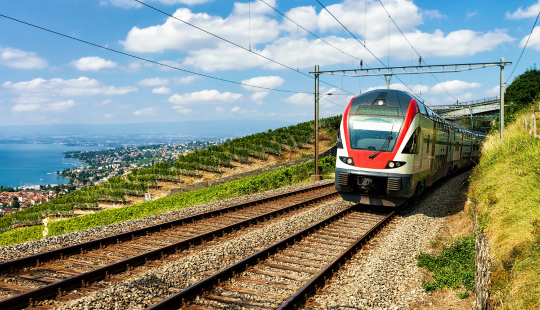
point(385, 145)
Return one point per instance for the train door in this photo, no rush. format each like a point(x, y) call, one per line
point(418, 155)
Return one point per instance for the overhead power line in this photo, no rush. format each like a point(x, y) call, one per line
point(421, 59)
point(230, 42)
point(524, 48)
point(316, 36)
point(324, 7)
point(151, 61)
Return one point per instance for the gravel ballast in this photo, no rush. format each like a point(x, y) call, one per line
point(55, 242)
point(141, 290)
point(386, 276)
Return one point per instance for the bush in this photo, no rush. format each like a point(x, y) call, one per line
point(452, 267)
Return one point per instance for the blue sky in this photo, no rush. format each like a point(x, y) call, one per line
point(48, 79)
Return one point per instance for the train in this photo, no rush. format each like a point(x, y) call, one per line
point(391, 147)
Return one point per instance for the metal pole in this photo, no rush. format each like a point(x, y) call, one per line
point(502, 99)
point(316, 121)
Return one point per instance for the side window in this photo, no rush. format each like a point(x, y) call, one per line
point(422, 108)
point(412, 145)
point(339, 144)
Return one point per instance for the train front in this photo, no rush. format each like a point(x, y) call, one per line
point(374, 157)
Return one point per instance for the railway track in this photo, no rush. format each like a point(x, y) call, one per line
point(286, 274)
point(54, 274)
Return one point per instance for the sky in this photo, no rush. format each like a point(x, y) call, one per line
point(46, 78)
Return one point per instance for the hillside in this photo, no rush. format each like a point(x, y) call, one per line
point(504, 190)
point(239, 155)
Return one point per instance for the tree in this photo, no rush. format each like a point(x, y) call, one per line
point(15, 204)
point(524, 90)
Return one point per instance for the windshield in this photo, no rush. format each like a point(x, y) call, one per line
point(370, 132)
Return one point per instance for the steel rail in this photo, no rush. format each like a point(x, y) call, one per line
point(320, 279)
point(47, 291)
point(177, 300)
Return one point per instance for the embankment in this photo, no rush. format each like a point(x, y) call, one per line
point(505, 191)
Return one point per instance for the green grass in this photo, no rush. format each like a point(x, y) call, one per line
point(453, 267)
point(267, 181)
point(505, 188)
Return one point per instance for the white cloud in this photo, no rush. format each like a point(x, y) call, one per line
point(60, 106)
point(240, 111)
point(263, 81)
point(15, 58)
point(107, 101)
point(185, 80)
point(146, 111)
point(220, 109)
point(108, 115)
point(432, 14)
point(204, 97)
point(182, 110)
point(130, 4)
point(531, 11)
point(161, 90)
point(534, 41)
point(455, 86)
point(25, 107)
point(299, 50)
point(306, 52)
point(495, 91)
point(300, 98)
point(134, 66)
point(93, 64)
point(471, 15)
point(154, 82)
point(82, 86)
point(179, 36)
point(259, 96)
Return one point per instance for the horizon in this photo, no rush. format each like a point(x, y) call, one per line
point(47, 79)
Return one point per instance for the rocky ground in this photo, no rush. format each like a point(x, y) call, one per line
point(385, 275)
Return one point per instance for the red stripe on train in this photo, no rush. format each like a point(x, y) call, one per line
point(361, 158)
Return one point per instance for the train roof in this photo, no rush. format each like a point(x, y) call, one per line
point(401, 100)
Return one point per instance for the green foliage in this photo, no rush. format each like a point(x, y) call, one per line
point(524, 90)
point(246, 186)
point(452, 267)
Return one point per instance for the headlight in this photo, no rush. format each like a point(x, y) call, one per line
point(347, 160)
point(395, 164)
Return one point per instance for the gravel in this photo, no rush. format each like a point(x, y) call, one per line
point(386, 276)
point(55, 242)
point(140, 291)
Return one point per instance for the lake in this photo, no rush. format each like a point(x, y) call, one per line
point(35, 164)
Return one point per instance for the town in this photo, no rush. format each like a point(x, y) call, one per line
point(99, 167)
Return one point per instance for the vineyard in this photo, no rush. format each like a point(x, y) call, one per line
point(274, 142)
point(213, 159)
point(266, 181)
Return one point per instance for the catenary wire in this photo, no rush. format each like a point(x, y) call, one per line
point(523, 48)
point(380, 1)
point(151, 61)
point(316, 36)
point(324, 7)
point(230, 42)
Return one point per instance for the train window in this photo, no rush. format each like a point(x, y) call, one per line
point(412, 145)
point(373, 132)
point(339, 143)
point(377, 110)
point(422, 108)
